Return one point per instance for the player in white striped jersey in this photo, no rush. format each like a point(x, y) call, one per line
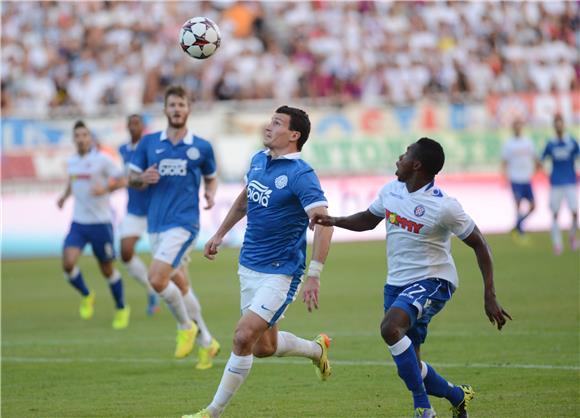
point(420, 220)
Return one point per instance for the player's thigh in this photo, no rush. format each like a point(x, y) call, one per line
point(172, 246)
point(571, 192)
point(556, 197)
point(180, 278)
point(128, 247)
point(70, 256)
point(267, 343)
point(102, 242)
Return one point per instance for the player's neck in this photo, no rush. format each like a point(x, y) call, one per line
point(276, 153)
point(415, 183)
point(176, 134)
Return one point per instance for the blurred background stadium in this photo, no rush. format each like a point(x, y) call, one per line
point(373, 75)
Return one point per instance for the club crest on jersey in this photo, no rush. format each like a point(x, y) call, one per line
point(419, 210)
point(259, 193)
point(402, 222)
point(193, 153)
point(172, 167)
point(281, 181)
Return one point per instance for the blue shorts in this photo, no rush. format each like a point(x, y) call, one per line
point(421, 300)
point(523, 191)
point(100, 236)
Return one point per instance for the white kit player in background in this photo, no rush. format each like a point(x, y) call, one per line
point(134, 224)
point(282, 192)
point(92, 176)
point(563, 151)
point(171, 164)
point(420, 219)
point(519, 163)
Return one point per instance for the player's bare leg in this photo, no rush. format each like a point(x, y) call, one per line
point(574, 232)
point(138, 270)
point(72, 273)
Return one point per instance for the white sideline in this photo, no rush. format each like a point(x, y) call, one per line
point(346, 363)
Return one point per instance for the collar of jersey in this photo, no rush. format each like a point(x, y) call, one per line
point(291, 156)
point(187, 138)
point(423, 189)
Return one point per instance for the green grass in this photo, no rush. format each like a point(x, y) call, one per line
point(55, 365)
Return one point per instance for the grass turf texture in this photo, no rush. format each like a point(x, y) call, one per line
point(56, 365)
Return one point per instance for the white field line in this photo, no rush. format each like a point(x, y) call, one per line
point(345, 363)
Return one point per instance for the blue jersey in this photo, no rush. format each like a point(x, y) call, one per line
point(174, 200)
point(138, 199)
point(280, 192)
point(563, 154)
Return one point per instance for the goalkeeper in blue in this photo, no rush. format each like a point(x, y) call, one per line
point(420, 219)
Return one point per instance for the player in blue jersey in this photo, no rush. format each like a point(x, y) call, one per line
point(563, 151)
point(134, 224)
point(420, 219)
point(92, 176)
point(282, 192)
point(172, 164)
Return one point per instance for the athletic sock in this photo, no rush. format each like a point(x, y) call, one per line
point(436, 385)
point(406, 360)
point(172, 297)
point(519, 221)
point(137, 269)
point(75, 278)
point(116, 286)
point(556, 235)
point(194, 311)
point(291, 345)
point(235, 372)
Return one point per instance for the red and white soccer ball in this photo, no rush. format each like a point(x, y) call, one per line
point(199, 37)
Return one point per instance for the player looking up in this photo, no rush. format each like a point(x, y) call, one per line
point(92, 176)
point(134, 223)
point(420, 219)
point(282, 192)
point(563, 151)
point(171, 164)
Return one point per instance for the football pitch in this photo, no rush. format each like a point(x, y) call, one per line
point(56, 365)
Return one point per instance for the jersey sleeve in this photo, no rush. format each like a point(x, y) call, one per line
point(454, 219)
point(209, 166)
point(139, 161)
point(111, 168)
point(307, 187)
point(576, 149)
point(547, 152)
point(377, 207)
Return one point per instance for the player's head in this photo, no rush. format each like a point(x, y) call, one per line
point(82, 137)
point(289, 126)
point(559, 124)
point(425, 156)
point(135, 126)
point(517, 126)
point(176, 106)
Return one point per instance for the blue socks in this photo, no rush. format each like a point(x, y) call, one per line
point(405, 358)
point(116, 286)
point(75, 278)
point(438, 386)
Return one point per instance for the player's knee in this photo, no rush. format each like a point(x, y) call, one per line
point(126, 254)
point(243, 339)
point(390, 332)
point(68, 266)
point(158, 282)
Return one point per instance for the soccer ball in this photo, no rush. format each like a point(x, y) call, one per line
point(199, 37)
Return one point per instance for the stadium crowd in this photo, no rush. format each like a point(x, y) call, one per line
point(85, 57)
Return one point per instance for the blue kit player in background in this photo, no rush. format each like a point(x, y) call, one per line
point(282, 192)
point(92, 176)
point(420, 219)
point(171, 164)
point(134, 224)
point(563, 151)
point(519, 163)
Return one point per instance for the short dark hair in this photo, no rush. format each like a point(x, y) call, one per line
point(175, 90)
point(134, 115)
point(79, 124)
point(430, 153)
point(299, 121)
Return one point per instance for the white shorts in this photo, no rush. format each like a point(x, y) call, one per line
point(172, 246)
point(559, 193)
point(267, 295)
point(133, 226)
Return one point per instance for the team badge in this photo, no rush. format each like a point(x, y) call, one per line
point(419, 210)
point(193, 153)
point(281, 182)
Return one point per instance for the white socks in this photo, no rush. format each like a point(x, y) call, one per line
point(194, 310)
point(235, 372)
point(291, 345)
point(138, 270)
point(172, 296)
point(556, 235)
point(114, 277)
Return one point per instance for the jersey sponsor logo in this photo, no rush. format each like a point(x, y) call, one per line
point(401, 222)
point(259, 193)
point(172, 167)
point(281, 181)
point(419, 210)
point(437, 193)
point(193, 153)
point(80, 176)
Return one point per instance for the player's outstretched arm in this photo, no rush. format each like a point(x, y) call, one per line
point(320, 248)
point(361, 221)
point(235, 214)
point(65, 195)
point(493, 309)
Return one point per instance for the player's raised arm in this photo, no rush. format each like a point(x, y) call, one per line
point(361, 221)
point(493, 309)
point(235, 214)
